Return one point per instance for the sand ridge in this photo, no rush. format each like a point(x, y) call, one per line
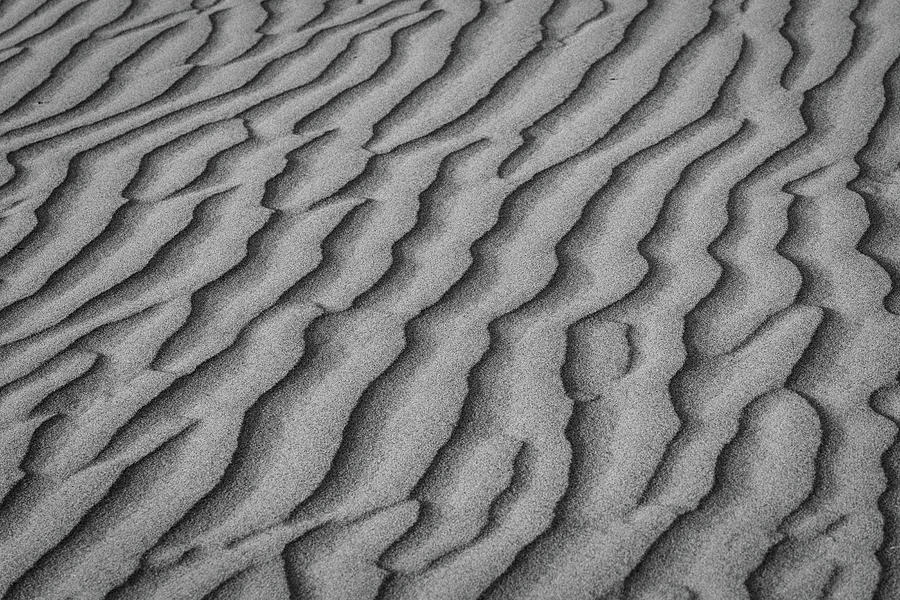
point(447, 299)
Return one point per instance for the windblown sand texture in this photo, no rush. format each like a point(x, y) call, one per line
point(450, 299)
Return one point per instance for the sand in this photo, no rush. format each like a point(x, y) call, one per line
point(449, 299)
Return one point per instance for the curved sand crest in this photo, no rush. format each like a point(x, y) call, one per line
point(447, 299)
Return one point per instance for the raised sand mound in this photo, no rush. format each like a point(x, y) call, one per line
point(450, 299)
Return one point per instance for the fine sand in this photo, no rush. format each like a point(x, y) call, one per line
point(449, 299)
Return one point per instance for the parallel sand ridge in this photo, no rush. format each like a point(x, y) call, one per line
point(449, 299)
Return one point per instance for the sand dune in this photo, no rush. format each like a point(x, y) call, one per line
point(450, 299)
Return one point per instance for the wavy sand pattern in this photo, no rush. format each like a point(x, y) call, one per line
point(450, 299)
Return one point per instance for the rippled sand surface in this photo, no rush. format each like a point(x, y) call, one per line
point(449, 299)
